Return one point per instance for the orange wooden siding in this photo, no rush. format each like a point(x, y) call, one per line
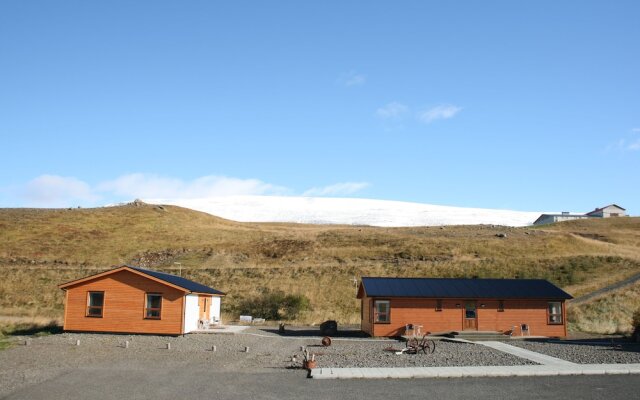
point(366, 313)
point(517, 312)
point(423, 312)
point(124, 304)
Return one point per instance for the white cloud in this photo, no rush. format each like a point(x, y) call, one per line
point(393, 110)
point(630, 143)
point(57, 191)
point(154, 186)
point(443, 111)
point(356, 80)
point(634, 146)
point(353, 79)
point(338, 189)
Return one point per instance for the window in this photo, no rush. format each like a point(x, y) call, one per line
point(382, 313)
point(470, 309)
point(95, 304)
point(153, 306)
point(555, 312)
point(438, 305)
point(500, 305)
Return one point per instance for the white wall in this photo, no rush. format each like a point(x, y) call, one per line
point(561, 218)
point(191, 313)
point(606, 213)
point(215, 308)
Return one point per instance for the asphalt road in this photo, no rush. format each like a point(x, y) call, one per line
point(157, 383)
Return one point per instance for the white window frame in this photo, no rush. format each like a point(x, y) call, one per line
point(90, 306)
point(551, 316)
point(377, 314)
point(147, 309)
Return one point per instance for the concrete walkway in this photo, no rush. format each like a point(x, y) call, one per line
point(222, 329)
point(463, 372)
point(526, 354)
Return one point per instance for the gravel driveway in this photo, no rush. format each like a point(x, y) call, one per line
point(50, 356)
point(585, 351)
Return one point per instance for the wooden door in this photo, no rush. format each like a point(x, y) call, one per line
point(204, 306)
point(470, 316)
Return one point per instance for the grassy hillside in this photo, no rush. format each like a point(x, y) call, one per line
point(42, 248)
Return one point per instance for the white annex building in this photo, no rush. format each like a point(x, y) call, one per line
point(612, 210)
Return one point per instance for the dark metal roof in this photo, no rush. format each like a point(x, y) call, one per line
point(463, 288)
point(179, 281)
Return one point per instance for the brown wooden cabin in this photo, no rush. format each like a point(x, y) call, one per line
point(392, 306)
point(134, 300)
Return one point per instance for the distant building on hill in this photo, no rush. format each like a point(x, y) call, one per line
point(612, 210)
point(564, 216)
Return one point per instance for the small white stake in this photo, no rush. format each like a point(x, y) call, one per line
point(213, 348)
point(301, 348)
point(78, 342)
point(126, 344)
point(246, 349)
point(26, 342)
point(168, 346)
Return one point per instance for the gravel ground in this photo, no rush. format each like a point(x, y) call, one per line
point(50, 356)
point(585, 351)
point(447, 354)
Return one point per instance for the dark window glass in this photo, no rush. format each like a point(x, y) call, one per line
point(438, 305)
point(470, 309)
point(153, 306)
point(382, 311)
point(95, 304)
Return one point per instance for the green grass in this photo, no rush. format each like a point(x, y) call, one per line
point(612, 313)
point(36, 327)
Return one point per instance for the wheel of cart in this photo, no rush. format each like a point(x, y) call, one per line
point(425, 345)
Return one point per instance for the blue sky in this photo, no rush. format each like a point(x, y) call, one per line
point(494, 104)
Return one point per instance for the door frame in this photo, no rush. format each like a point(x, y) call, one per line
point(206, 300)
point(464, 315)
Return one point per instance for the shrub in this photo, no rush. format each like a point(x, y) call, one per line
point(275, 305)
point(636, 320)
